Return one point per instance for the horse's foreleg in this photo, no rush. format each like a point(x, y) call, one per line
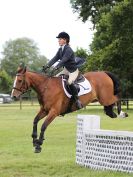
point(38, 117)
point(50, 117)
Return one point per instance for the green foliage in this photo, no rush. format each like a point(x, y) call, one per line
point(112, 47)
point(115, 25)
point(92, 9)
point(38, 63)
point(21, 50)
point(80, 52)
point(5, 82)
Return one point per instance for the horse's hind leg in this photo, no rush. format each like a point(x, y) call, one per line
point(109, 111)
point(120, 112)
point(119, 106)
point(38, 117)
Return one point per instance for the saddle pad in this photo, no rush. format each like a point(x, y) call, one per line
point(85, 87)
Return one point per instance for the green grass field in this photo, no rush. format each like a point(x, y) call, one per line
point(57, 159)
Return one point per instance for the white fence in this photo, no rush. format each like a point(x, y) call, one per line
point(103, 149)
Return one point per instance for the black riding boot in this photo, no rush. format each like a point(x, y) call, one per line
point(75, 96)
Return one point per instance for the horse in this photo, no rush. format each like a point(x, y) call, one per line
point(54, 102)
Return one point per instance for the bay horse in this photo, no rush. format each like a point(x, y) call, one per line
point(53, 101)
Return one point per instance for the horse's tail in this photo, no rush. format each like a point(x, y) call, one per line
point(117, 91)
point(116, 82)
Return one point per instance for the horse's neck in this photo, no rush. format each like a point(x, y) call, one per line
point(36, 81)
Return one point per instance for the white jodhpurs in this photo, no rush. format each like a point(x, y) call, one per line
point(72, 76)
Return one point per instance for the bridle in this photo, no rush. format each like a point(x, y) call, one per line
point(21, 89)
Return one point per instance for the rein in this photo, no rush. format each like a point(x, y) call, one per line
point(22, 92)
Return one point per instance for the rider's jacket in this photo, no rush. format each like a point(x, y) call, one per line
point(66, 57)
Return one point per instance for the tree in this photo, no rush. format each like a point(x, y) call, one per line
point(37, 65)
point(92, 9)
point(21, 50)
point(5, 82)
point(112, 47)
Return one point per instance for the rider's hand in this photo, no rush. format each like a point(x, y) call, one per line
point(44, 68)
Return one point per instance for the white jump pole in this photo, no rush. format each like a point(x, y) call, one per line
point(89, 122)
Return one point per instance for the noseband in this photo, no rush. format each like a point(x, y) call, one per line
point(21, 89)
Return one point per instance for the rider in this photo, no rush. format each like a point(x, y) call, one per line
point(67, 60)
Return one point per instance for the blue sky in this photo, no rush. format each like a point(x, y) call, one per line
point(42, 20)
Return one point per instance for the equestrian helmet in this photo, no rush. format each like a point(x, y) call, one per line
point(63, 35)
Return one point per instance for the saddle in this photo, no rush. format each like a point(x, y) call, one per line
point(81, 83)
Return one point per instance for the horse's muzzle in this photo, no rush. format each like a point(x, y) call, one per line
point(14, 97)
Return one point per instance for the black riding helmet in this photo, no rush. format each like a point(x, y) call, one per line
point(64, 35)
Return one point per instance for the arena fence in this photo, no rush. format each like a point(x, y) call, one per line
point(103, 149)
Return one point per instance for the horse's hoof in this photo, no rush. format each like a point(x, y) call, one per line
point(123, 114)
point(38, 149)
point(126, 114)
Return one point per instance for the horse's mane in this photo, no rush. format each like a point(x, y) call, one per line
point(37, 72)
point(41, 74)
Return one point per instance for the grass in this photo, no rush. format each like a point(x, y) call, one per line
point(57, 159)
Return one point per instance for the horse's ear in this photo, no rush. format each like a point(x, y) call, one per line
point(21, 68)
point(24, 69)
point(21, 64)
